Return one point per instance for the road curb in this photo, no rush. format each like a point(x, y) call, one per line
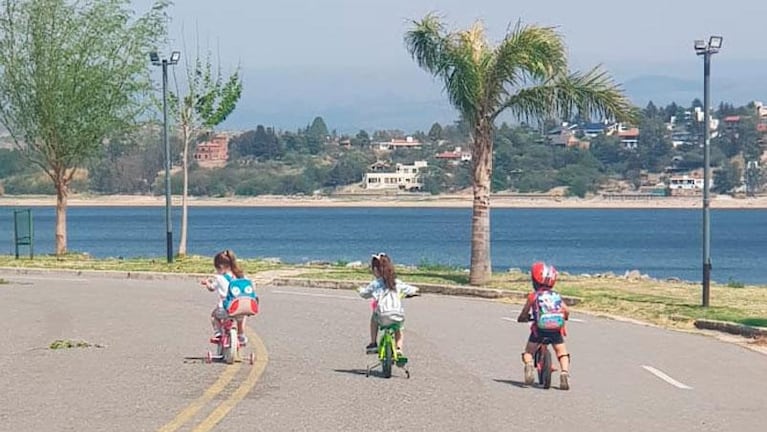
point(119, 274)
point(424, 288)
point(732, 328)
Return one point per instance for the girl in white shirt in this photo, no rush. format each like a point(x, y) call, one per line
point(227, 268)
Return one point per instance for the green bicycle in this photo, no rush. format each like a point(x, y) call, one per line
point(387, 355)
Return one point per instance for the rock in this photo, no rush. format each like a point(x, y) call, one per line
point(355, 264)
point(272, 260)
point(586, 275)
point(319, 262)
point(673, 279)
point(632, 275)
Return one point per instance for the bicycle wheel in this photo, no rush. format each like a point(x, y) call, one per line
point(544, 373)
point(230, 352)
point(386, 362)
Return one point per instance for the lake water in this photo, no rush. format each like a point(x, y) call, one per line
point(661, 243)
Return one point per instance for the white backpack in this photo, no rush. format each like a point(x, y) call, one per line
point(389, 308)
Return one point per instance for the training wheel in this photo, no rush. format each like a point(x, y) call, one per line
point(407, 374)
point(209, 357)
point(252, 358)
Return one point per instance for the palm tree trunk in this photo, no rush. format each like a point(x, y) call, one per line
point(185, 192)
point(61, 217)
point(482, 157)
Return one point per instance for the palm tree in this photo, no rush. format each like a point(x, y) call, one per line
point(526, 74)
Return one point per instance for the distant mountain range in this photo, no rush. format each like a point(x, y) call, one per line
point(350, 99)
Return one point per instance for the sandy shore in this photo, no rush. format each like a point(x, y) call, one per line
point(451, 201)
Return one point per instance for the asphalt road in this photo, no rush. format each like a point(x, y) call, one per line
point(465, 365)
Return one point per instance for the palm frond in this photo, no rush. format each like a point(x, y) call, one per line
point(426, 43)
point(589, 93)
point(527, 53)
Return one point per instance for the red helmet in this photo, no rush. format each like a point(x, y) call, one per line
point(543, 274)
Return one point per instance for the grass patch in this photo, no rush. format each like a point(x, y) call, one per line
point(187, 264)
point(68, 343)
point(668, 303)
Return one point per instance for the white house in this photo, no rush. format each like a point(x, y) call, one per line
point(408, 142)
point(404, 177)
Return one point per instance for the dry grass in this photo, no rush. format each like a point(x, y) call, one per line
point(188, 264)
point(671, 304)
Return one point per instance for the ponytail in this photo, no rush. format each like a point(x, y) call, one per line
point(387, 272)
point(227, 258)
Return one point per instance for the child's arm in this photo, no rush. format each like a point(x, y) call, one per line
point(524, 314)
point(566, 311)
point(208, 283)
point(367, 292)
point(407, 290)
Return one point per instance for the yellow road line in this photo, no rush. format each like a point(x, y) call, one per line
point(262, 358)
point(189, 412)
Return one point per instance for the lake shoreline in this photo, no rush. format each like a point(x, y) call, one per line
point(403, 201)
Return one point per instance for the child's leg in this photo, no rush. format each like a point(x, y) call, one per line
point(399, 339)
point(530, 348)
point(564, 358)
point(373, 330)
point(241, 325)
point(214, 321)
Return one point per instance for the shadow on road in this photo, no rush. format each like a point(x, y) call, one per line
point(373, 372)
point(353, 371)
point(519, 384)
point(194, 359)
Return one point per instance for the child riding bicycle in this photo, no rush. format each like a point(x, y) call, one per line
point(386, 291)
point(549, 314)
point(227, 270)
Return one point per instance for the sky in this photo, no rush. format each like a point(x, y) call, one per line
point(345, 59)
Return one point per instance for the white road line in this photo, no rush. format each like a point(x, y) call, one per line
point(12, 277)
point(666, 378)
point(315, 295)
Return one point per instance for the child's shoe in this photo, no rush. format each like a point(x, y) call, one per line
point(564, 381)
point(529, 373)
point(242, 339)
point(372, 348)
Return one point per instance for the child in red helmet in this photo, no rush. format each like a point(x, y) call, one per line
point(549, 314)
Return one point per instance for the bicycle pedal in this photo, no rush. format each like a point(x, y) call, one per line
point(402, 361)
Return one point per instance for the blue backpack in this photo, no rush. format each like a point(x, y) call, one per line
point(241, 298)
point(549, 313)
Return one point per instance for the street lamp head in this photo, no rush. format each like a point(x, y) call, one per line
point(154, 57)
point(175, 57)
point(715, 42)
point(700, 46)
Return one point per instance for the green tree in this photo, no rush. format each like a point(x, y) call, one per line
point(317, 135)
point(526, 74)
point(72, 74)
point(654, 144)
point(202, 102)
point(435, 133)
point(727, 177)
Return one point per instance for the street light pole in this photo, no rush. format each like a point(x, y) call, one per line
point(155, 58)
point(707, 50)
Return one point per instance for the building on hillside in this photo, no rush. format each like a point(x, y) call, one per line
point(629, 137)
point(213, 153)
point(456, 156)
point(394, 144)
point(569, 140)
point(404, 177)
